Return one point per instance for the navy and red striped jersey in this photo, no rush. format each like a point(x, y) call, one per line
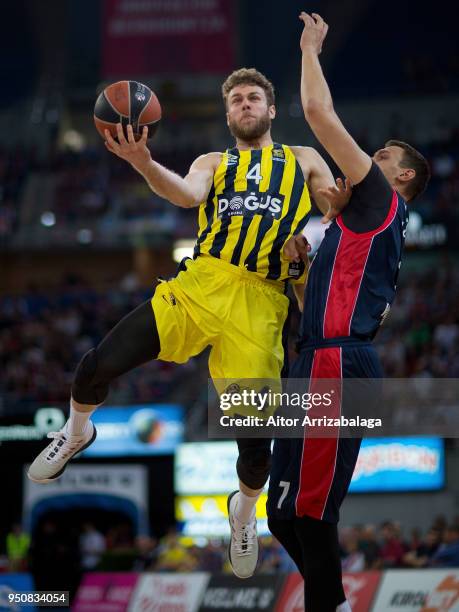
point(353, 277)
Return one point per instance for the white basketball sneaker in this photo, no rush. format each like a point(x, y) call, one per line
point(243, 547)
point(52, 461)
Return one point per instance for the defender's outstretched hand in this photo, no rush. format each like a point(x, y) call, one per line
point(338, 197)
point(136, 153)
point(314, 31)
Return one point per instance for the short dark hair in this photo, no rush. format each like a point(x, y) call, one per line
point(417, 162)
point(248, 76)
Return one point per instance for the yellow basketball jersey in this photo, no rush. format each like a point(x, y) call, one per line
point(258, 200)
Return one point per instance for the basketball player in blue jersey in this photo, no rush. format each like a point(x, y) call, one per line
point(350, 288)
point(252, 200)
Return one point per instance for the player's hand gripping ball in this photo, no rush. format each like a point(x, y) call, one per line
point(127, 102)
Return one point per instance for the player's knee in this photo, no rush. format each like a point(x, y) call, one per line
point(253, 466)
point(89, 386)
point(86, 369)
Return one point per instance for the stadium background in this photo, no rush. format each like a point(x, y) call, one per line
point(82, 240)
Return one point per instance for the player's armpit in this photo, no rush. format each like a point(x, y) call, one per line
point(200, 177)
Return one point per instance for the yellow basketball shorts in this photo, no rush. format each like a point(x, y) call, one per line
point(213, 303)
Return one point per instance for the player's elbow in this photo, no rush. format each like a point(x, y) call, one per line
point(317, 111)
point(191, 203)
point(186, 200)
point(185, 203)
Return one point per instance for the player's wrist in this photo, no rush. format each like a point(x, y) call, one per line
point(144, 167)
point(309, 49)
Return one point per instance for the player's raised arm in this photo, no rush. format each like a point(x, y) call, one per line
point(318, 104)
point(184, 192)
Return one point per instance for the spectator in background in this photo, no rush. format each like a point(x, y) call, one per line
point(447, 333)
point(92, 546)
point(173, 555)
point(353, 559)
point(269, 560)
point(393, 549)
point(147, 553)
point(211, 557)
point(440, 523)
point(48, 550)
point(119, 537)
point(17, 549)
point(415, 538)
point(286, 563)
point(447, 554)
point(422, 554)
point(369, 546)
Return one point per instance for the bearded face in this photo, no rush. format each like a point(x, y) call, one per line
point(250, 127)
point(248, 114)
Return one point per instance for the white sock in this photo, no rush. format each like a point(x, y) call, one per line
point(78, 420)
point(245, 506)
point(344, 607)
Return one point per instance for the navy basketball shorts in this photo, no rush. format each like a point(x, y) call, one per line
point(311, 476)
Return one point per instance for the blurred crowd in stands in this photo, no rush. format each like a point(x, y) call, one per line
point(420, 337)
point(14, 169)
point(90, 188)
point(43, 335)
point(88, 548)
point(421, 73)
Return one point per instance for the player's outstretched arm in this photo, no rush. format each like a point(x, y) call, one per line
point(318, 104)
point(184, 192)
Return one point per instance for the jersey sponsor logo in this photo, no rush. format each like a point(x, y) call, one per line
point(235, 205)
point(278, 155)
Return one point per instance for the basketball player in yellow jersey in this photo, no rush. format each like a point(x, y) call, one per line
point(252, 200)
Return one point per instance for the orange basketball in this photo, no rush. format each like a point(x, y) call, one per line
point(127, 102)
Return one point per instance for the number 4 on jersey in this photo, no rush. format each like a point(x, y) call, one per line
point(254, 174)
